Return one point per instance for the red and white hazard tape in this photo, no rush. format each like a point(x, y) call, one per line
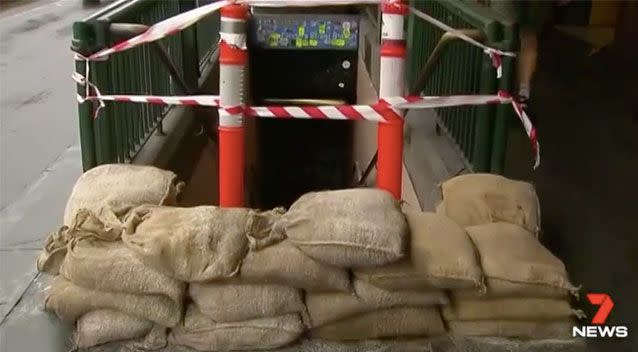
point(382, 112)
point(530, 129)
point(178, 23)
point(191, 100)
point(184, 20)
point(495, 54)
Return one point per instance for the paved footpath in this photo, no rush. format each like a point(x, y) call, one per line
point(39, 158)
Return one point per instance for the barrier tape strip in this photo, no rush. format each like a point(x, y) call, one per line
point(190, 100)
point(494, 54)
point(164, 28)
point(179, 22)
point(530, 129)
point(381, 112)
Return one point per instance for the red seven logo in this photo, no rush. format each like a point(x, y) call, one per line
point(606, 304)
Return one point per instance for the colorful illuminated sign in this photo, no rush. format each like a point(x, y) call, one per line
point(306, 32)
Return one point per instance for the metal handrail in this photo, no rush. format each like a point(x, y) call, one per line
point(434, 58)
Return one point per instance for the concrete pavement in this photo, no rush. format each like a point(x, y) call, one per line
point(39, 155)
point(38, 113)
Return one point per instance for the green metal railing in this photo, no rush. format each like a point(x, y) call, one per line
point(207, 34)
point(445, 65)
point(170, 67)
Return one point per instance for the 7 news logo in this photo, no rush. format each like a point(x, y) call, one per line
point(599, 329)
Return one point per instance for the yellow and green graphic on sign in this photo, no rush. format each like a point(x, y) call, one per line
point(273, 39)
point(338, 42)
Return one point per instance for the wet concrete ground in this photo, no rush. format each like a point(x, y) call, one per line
point(39, 153)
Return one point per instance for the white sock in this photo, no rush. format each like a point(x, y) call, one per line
point(523, 91)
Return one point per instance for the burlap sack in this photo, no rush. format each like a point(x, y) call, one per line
point(509, 254)
point(497, 288)
point(85, 224)
point(103, 326)
point(196, 244)
point(230, 302)
point(113, 267)
point(284, 264)
point(326, 308)
point(202, 333)
point(347, 228)
point(393, 322)
point(118, 186)
point(476, 199)
point(442, 255)
point(69, 302)
point(561, 329)
point(509, 309)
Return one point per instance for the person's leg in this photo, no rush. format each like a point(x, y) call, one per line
point(527, 57)
point(532, 17)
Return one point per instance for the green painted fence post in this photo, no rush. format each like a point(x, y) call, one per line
point(190, 54)
point(484, 113)
point(504, 112)
point(100, 76)
point(83, 42)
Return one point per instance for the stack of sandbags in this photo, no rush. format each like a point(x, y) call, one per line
point(527, 292)
point(476, 199)
point(232, 315)
point(101, 198)
point(441, 257)
point(205, 247)
point(372, 312)
point(104, 283)
point(527, 288)
point(102, 286)
point(356, 229)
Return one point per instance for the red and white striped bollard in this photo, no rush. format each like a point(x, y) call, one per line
point(233, 62)
point(391, 84)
